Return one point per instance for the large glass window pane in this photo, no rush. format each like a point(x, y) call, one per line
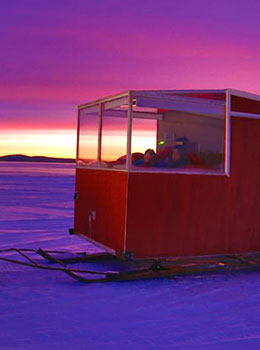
point(178, 133)
point(114, 136)
point(144, 136)
point(88, 136)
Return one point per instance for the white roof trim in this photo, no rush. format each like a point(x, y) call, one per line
point(148, 92)
point(244, 94)
point(233, 92)
point(217, 91)
point(104, 99)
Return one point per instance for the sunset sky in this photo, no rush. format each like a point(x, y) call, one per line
point(57, 54)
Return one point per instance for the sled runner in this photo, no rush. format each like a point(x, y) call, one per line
point(126, 270)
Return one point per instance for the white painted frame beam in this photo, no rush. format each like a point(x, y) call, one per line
point(245, 115)
point(129, 132)
point(116, 102)
point(103, 100)
point(228, 133)
point(139, 115)
point(100, 122)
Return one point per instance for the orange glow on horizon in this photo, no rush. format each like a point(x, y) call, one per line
point(41, 142)
point(61, 143)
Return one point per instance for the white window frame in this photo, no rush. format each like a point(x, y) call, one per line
point(128, 96)
point(197, 104)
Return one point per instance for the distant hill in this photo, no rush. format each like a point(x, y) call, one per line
point(23, 158)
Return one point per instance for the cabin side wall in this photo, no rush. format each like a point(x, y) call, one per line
point(103, 192)
point(181, 215)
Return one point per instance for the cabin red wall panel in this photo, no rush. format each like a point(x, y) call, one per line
point(245, 105)
point(177, 214)
point(244, 190)
point(105, 193)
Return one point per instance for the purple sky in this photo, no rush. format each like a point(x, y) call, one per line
point(58, 54)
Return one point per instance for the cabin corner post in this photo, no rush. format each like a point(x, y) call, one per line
point(100, 121)
point(228, 132)
point(129, 132)
point(77, 141)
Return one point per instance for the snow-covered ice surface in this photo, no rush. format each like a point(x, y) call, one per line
point(49, 310)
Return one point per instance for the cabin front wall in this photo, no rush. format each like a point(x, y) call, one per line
point(182, 215)
point(100, 206)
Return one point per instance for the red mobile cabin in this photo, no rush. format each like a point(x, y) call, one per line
point(170, 173)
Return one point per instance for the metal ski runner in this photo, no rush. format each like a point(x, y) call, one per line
point(129, 269)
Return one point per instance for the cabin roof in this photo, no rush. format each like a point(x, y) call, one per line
point(234, 92)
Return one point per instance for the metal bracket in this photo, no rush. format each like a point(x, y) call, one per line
point(71, 231)
point(125, 255)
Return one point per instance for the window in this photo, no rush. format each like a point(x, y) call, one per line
point(88, 136)
point(178, 133)
point(114, 136)
point(170, 133)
